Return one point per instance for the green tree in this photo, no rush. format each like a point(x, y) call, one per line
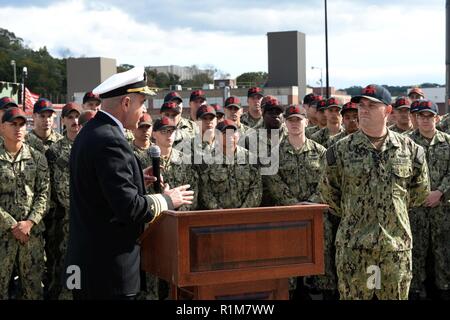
point(198, 80)
point(46, 75)
point(124, 67)
point(162, 80)
point(252, 78)
point(173, 78)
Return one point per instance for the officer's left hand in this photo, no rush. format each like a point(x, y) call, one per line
point(433, 199)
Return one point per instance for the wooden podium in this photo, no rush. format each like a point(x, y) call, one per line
point(234, 253)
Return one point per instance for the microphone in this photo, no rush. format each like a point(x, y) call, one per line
point(155, 153)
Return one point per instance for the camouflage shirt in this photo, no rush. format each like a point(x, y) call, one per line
point(298, 174)
point(309, 131)
point(254, 137)
point(337, 137)
point(444, 124)
point(186, 130)
point(24, 188)
point(40, 145)
point(142, 155)
point(176, 171)
point(58, 156)
point(372, 190)
point(128, 135)
point(230, 185)
point(243, 129)
point(399, 130)
point(251, 122)
point(438, 158)
point(323, 136)
point(200, 149)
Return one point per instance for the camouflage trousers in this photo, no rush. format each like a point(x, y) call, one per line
point(430, 228)
point(151, 291)
point(328, 281)
point(363, 274)
point(420, 229)
point(57, 236)
point(440, 245)
point(30, 265)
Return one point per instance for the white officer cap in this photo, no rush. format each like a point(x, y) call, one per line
point(131, 81)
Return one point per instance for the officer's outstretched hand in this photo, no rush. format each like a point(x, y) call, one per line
point(179, 195)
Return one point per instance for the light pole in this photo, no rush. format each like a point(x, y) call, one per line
point(24, 76)
point(326, 50)
point(447, 54)
point(13, 63)
point(321, 79)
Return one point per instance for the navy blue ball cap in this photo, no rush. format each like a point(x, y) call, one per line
point(427, 106)
point(43, 105)
point(13, 113)
point(7, 102)
point(173, 95)
point(374, 93)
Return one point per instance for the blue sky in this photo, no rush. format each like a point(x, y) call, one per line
point(388, 42)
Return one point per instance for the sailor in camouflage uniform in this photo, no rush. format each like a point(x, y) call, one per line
point(196, 99)
point(402, 116)
point(434, 215)
point(233, 183)
point(310, 110)
point(332, 110)
point(142, 140)
point(273, 122)
point(220, 113)
point(41, 138)
point(327, 283)
point(349, 115)
point(140, 145)
point(300, 163)
point(58, 156)
point(444, 124)
point(372, 178)
point(414, 96)
point(176, 167)
point(24, 193)
point(253, 117)
point(264, 142)
point(91, 101)
point(321, 120)
point(299, 168)
point(204, 143)
point(5, 103)
point(172, 108)
point(233, 112)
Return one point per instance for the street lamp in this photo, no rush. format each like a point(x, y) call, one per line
point(13, 63)
point(326, 51)
point(24, 76)
point(321, 79)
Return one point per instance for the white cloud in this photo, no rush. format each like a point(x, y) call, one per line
point(389, 43)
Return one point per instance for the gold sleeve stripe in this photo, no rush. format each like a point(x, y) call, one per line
point(160, 204)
